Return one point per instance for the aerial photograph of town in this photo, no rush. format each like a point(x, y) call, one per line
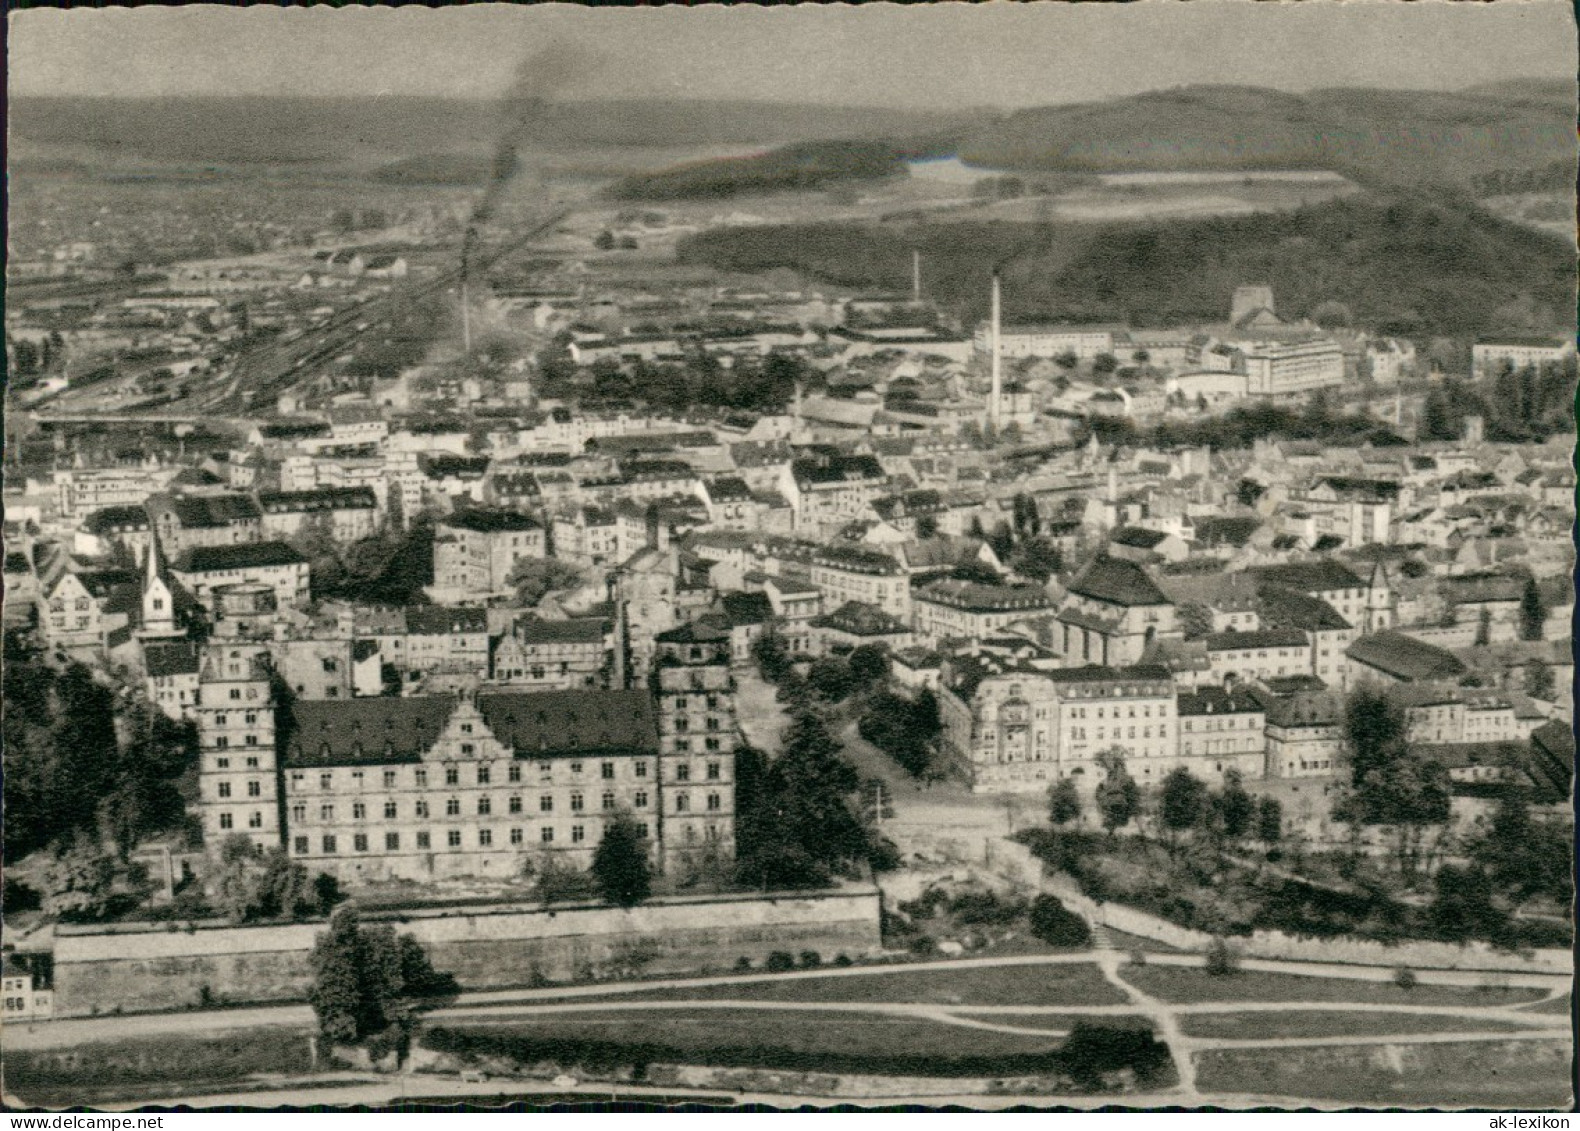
point(936, 556)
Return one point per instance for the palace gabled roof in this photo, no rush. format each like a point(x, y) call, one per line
point(347, 732)
point(566, 723)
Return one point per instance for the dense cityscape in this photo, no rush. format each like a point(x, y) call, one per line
point(762, 581)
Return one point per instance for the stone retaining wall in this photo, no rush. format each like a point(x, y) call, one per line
point(149, 967)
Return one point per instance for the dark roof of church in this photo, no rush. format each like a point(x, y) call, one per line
point(1118, 581)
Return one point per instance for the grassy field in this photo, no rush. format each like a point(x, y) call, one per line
point(1188, 984)
point(1512, 1075)
point(1074, 983)
point(1058, 1022)
point(1563, 1005)
point(1128, 942)
point(1322, 1023)
point(801, 1042)
point(791, 1032)
point(110, 1069)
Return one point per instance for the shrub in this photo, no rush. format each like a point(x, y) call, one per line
point(984, 907)
point(780, 961)
point(843, 960)
point(1056, 925)
point(1404, 978)
point(811, 960)
point(1221, 958)
point(743, 963)
point(1092, 1050)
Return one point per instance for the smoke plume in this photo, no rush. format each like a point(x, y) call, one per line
point(539, 77)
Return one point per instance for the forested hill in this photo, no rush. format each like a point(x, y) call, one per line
point(1378, 137)
point(806, 166)
point(1401, 266)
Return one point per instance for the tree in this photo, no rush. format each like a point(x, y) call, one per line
point(1056, 925)
point(1332, 315)
point(868, 664)
point(1221, 958)
point(1184, 800)
point(557, 882)
point(773, 659)
point(620, 864)
point(1195, 620)
point(1526, 858)
point(1269, 821)
point(1462, 906)
point(1539, 680)
point(1235, 806)
point(82, 881)
point(831, 678)
point(1036, 558)
point(533, 578)
point(1002, 540)
point(1484, 628)
point(1533, 611)
point(797, 827)
point(1066, 360)
point(24, 357)
point(1104, 364)
point(256, 884)
point(904, 729)
point(363, 975)
point(604, 241)
point(1248, 491)
point(238, 888)
point(1118, 796)
point(1375, 732)
point(1064, 802)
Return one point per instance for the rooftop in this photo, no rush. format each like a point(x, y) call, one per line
point(1117, 581)
point(245, 555)
point(1405, 658)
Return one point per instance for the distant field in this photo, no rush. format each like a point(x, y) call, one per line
point(1325, 1023)
point(1190, 984)
point(1521, 1075)
point(1075, 983)
point(1118, 200)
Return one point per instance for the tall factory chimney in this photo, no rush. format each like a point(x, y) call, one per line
point(466, 320)
point(998, 376)
point(916, 276)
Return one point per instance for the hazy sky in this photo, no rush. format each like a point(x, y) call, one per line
point(934, 56)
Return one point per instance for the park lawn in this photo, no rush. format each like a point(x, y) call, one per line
point(1498, 1075)
point(1562, 1004)
point(1127, 942)
point(1058, 1022)
point(790, 1040)
point(105, 1070)
point(1073, 983)
point(1192, 983)
point(1257, 1025)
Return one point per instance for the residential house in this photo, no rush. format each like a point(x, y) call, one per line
point(475, 551)
point(342, 514)
point(853, 625)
